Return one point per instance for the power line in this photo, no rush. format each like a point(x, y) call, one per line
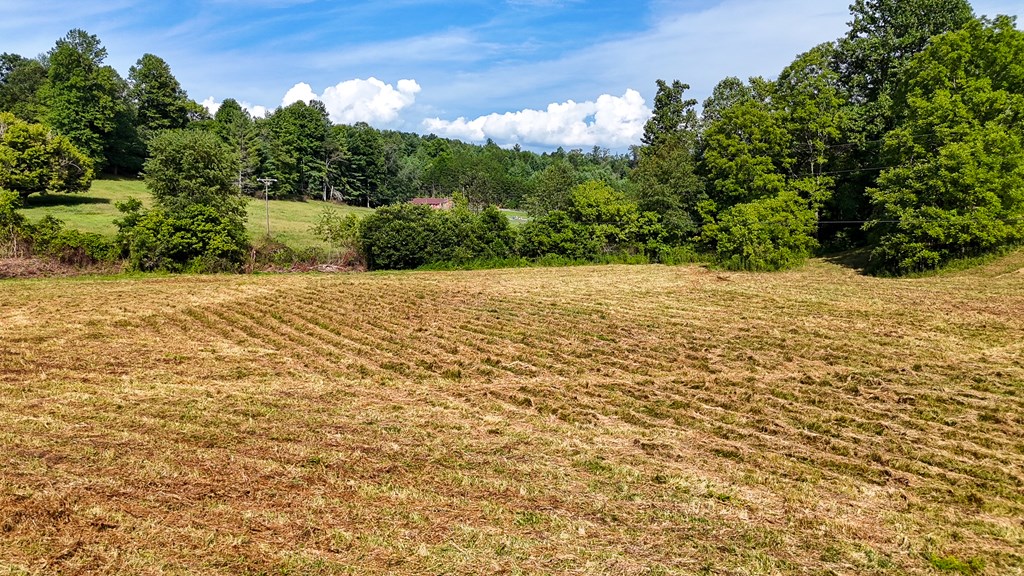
point(931, 134)
point(849, 171)
point(915, 220)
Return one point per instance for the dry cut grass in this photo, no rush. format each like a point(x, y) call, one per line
point(600, 420)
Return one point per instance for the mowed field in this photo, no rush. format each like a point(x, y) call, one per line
point(593, 420)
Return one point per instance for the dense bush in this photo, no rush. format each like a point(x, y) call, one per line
point(197, 238)
point(12, 225)
point(597, 221)
point(49, 237)
point(405, 236)
point(557, 234)
point(396, 237)
point(767, 234)
point(494, 234)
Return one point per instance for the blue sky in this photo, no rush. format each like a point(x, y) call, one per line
point(543, 73)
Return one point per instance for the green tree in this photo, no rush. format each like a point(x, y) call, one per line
point(34, 159)
point(440, 176)
point(83, 98)
point(551, 188)
point(745, 151)
point(237, 130)
point(198, 224)
point(763, 151)
point(298, 143)
point(885, 34)
point(160, 102)
point(957, 186)
point(20, 82)
point(882, 38)
point(726, 94)
point(123, 147)
point(366, 168)
point(666, 177)
point(672, 115)
point(190, 167)
point(810, 100)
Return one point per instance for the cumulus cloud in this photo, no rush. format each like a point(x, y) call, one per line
point(211, 105)
point(256, 111)
point(611, 121)
point(371, 100)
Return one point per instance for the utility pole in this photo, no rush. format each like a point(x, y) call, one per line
point(266, 196)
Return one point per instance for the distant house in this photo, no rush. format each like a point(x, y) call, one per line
point(435, 203)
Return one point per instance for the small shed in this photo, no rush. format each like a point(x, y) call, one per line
point(435, 203)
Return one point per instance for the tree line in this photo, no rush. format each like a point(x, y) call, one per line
point(110, 121)
point(902, 138)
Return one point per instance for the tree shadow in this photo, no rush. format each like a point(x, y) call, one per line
point(49, 200)
point(856, 260)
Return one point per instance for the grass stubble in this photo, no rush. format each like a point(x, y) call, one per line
point(593, 420)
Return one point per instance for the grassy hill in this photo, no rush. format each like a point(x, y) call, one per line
point(95, 211)
point(593, 420)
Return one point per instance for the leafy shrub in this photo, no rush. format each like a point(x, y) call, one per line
point(771, 233)
point(396, 237)
point(598, 221)
point(495, 234)
point(34, 158)
point(197, 238)
point(12, 225)
point(51, 238)
point(341, 232)
point(556, 234)
point(405, 236)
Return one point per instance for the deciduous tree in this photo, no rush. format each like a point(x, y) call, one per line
point(83, 100)
point(35, 159)
point(957, 185)
point(160, 102)
point(188, 167)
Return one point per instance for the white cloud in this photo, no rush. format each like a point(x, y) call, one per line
point(211, 105)
point(300, 91)
point(256, 111)
point(612, 121)
point(371, 100)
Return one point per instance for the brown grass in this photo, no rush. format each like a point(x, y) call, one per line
point(599, 420)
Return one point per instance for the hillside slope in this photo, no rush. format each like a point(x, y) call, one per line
point(595, 420)
point(291, 222)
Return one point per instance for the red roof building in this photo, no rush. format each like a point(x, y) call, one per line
point(435, 203)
